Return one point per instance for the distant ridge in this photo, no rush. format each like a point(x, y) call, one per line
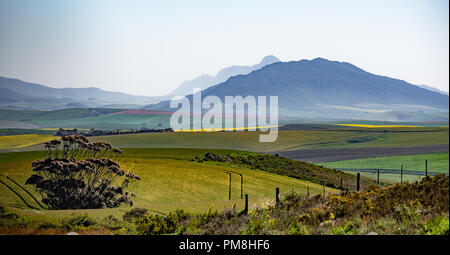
point(309, 83)
point(17, 94)
point(321, 88)
point(433, 89)
point(10, 95)
point(38, 90)
point(205, 81)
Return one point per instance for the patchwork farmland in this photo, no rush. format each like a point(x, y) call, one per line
point(175, 174)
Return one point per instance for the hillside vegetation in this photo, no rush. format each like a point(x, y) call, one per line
point(288, 167)
point(169, 180)
point(409, 208)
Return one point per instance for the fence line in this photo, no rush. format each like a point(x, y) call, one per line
point(388, 171)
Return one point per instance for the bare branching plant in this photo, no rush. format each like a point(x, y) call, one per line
point(78, 174)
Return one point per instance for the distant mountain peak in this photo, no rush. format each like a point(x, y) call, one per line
point(205, 81)
point(306, 84)
point(321, 59)
point(270, 59)
point(328, 89)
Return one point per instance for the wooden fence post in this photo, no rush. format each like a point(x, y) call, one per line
point(229, 186)
point(378, 177)
point(426, 167)
point(307, 192)
point(358, 179)
point(242, 186)
point(246, 204)
point(341, 184)
point(401, 174)
point(277, 195)
point(323, 187)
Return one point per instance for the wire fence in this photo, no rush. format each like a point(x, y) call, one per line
point(389, 171)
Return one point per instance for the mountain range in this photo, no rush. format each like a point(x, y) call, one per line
point(332, 89)
point(433, 89)
point(205, 81)
point(318, 89)
point(306, 83)
point(18, 94)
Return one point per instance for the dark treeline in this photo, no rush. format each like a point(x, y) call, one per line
point(93, 132)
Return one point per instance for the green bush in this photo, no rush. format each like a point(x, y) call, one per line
point(437, 226)
point(7, 215)
point(77, 221)
point(134, 214)
point(352, 227)
point(111, 223)
point(159, 225)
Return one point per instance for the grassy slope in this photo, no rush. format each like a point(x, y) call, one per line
point(18, 141)
point(74, 118)
point(19, 131)
point(391, 139)
point(287, 140)
point(170, 181)
point(437, 162)
point(224, 140)
point(27, 115)
point(109, 121)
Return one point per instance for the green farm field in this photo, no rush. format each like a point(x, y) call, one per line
point(20, 141)
point(84, 118)
point(287, 140)
point(437, 162)
point(109, 121)
point(169, 181)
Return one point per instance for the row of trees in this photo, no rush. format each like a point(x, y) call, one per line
point(94, 132)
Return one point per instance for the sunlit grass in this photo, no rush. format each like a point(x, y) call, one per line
point(169, 181)
point(19, 141)
point(374, 126)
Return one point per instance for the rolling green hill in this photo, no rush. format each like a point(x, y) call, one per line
point(85, 118)
point(19, 141)
point(30, 115)
point(287, 140)
point(169, 181)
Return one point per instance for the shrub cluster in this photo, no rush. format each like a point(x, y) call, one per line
point(409, 208)
point(431, 192)
point(292, 168)
point(75, 175)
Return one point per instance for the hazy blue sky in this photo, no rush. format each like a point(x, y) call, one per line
point(149, 47)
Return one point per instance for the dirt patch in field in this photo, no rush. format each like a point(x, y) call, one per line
point(330, 155)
